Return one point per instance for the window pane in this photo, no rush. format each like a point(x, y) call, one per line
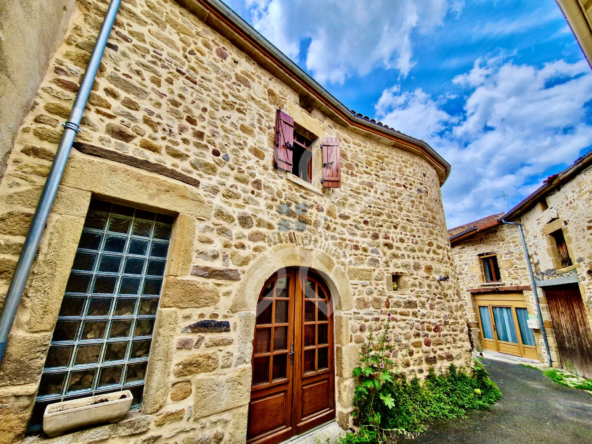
point(159, 249)
point(130, 285)
point(323, 311)
point(156, 268)
point(279, 366)
point(125, 307)
point(134, 265)
point(110, 375)
point(148, 306)
point(280, 339)
point(99, 306)
point(283, 288)
point(309, 311)
point(105, 284)
point(264, 308)
point(58, 356)
point(119, 224)
point(140, 349)
point(110, 264)
point(142, 228)
point(90, 241)
point(281, 312)
point(115, 244)
point(81, 380)
point(525, 332)
point(144, 327)
point(84, 261)
point(72, 306)
point(504, 324)
point(78, 283)
point(323, 333)
point(309, 335)
point(323, 358)
point(65, 330)
point(152, 286)
point(94, 330)
point(486, 322)
point(120, 329)
point(139, 247)
point(162, 231)
point(115, 351)
point(95, 220)
point(51, 384)
point(261, 370)
point(263, 340)
point(309, 289)
point(136, 372)
point(88, 354)
point(309, 360)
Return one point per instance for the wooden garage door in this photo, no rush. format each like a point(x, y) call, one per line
point(572, 333)
point(293, 377)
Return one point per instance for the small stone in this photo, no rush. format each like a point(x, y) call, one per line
point(48, 135)
point(127, 86)
point(222, 53)
point(207, 326)
point(38, 152)
point(196, 364)
point(245, 220)
point(226, 359)
point(226, 157)
point(256, 236)
point(168, 417)
point(68, 85)
point(177, 154)
point(218, 341)
point(133, 426)
point(184, 343)
point(204, 166)
point(248, 130)
point(130, 104)
point(58, 109)
point(46, 120)
point(180, 391)
point(200, 340)
point(96, 100)
point(150, 146)
point(228, 274)
point(119, 132)
point(242, 80)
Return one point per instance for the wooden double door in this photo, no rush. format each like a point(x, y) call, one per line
point(293, 358)
point(571, 328)
point(503, 320)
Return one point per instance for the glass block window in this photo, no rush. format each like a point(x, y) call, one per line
point(102, 338)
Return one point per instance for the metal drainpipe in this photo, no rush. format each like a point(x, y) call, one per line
point(71, 128)
point(534, 288)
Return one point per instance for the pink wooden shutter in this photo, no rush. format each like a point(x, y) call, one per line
point(284, 139)
point(331, 163)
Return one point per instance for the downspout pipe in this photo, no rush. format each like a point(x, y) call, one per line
point(534, 288)
point(71, 128)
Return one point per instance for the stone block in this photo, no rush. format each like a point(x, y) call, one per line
point(346, 388)
point(15, 412)
point(238, 427)
point(207, 326)
point(347, 358)
point(185, 293)
point(219, 341)
point(180, 391)
point(360, 274)
point(246, 331)
point(227, 274)
point(181, 249)
point(24, 358)
point(133, 426)
point(196, 364)
point(219, 393)
point(168, 417)
point(161, 357)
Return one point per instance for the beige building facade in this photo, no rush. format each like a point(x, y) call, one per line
point(173, 220)
point(555, 221)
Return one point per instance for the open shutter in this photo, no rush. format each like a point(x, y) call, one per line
point(284, 139)
point(331, 163)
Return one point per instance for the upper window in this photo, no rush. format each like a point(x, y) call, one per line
point(490, 269)
point(102, 338)
point(302, 157)
point(293, 152)
point(562, 248)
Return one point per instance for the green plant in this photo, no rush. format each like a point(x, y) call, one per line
point(556, 376)
point(388, 404)
point(529, 366)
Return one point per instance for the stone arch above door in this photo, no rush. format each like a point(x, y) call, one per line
point(288, 255)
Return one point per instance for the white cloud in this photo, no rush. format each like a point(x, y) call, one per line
point(518, 121)
point(348, 36)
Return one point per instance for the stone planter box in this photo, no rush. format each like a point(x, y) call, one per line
point(66, 416)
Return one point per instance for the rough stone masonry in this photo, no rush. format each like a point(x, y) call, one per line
point(180, 121)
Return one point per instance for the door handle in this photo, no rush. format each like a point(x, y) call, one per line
point(291, 354)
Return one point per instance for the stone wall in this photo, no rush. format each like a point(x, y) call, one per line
point(30, 32)
point(181, 122)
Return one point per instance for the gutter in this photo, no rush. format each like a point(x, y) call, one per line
point(217, 10)
point(71, 128)
point(534, 288)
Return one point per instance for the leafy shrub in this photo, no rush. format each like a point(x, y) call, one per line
point(388, 404)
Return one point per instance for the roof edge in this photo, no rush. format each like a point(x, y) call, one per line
point(224, 20)
point(550, 184)
point(478, 228)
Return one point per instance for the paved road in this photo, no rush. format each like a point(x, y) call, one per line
point(534, 410)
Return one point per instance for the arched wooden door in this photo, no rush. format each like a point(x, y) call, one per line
point(293, 358)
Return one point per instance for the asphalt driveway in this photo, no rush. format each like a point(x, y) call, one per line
point(534, 410)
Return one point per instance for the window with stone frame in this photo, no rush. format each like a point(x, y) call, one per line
point(491, 270)
point(101, 342)
point(562, 249)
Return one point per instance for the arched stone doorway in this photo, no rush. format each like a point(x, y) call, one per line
point(293, 361)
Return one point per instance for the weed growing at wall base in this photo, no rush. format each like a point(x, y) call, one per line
point(388, 404)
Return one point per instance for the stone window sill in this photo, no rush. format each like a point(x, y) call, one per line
point(492, 284)
point(304, 184)
point(566, 269)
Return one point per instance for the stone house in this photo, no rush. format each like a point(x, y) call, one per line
point(225, 236)
point(493, 273)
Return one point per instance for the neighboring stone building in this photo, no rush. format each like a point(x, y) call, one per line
point(176, 234)
point(493, 273)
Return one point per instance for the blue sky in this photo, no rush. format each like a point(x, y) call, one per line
point(500, 88)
